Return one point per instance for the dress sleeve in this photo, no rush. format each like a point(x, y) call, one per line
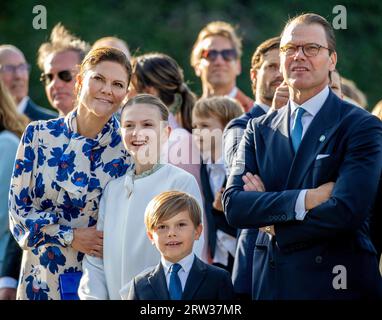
point(30, 224)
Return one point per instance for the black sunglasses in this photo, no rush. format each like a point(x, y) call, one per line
point(212, 55)
point(64, 75)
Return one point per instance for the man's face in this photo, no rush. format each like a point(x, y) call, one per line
point(61, 93)
point(302, 73)
point(15, 74)
point(217, 72)
point(268, 77)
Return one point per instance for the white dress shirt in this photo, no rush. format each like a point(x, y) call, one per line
point(184, 271)
point(311, 107)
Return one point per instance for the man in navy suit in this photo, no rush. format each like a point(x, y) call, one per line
point(14, 72)
point(266, 79)
point(309, 177)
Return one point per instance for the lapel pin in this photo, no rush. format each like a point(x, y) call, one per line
point(322, 138)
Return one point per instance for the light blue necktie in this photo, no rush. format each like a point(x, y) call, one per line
point(175, 286)
point(296, 133)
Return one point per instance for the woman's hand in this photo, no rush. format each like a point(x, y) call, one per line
point(88, 241)
point(217, 204)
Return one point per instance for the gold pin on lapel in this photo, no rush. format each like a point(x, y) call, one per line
point(322, 138)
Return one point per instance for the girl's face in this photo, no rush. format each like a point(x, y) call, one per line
point(103, 88)
point(143, 132)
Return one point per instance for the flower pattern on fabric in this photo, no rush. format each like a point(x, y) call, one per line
point(57, 183)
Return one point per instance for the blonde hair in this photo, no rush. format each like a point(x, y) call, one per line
point(61, 40)
point(167, 205)
point(223, 108)
point(10, 119)
point(215, 28)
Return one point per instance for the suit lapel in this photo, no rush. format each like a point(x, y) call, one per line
point(158, 283)
point(321, 129)
point(197, 274)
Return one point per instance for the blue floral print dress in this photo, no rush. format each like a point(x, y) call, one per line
point(57, 183)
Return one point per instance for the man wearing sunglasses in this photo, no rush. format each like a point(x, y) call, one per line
point(59, 59)
point(215, 58)
point(314, 171)
point(14, 72)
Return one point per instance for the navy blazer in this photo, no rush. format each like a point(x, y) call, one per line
point(304, 254)
point(35, 112)
point(204, 282)
point(242, 266)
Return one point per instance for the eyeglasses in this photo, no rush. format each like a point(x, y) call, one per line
point(9, 68)
point(212, 55)
point(309, 49)
point(64, 75)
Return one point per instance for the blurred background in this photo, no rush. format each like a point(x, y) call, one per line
point(171, 26)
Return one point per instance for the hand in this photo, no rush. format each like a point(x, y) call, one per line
point(268, 229)
point(217, 204)
point(8, 293)
point(317, 196)
point(88, 241)
point(281, 96)
point(253, 183)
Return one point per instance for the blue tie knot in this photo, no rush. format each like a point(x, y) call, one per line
point(299, 112)
point(175, 268)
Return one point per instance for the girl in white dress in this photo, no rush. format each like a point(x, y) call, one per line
point(127, 251)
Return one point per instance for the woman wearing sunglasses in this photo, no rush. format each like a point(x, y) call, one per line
point(61, 169)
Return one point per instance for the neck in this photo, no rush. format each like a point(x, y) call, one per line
point(88, 124)
point(300, 96)
point(140, 168)
point(222, 90)
point(262, 100)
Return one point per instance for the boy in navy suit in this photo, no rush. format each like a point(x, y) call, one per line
point(173, 222)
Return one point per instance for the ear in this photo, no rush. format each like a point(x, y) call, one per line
point(198, 231)
point(152, 91)
point(78, 84)
point(333, 61)
point(253, 75)
point(197, 70)
point(150, 236)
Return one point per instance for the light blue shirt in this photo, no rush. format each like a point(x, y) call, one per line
point(183, 273)
point(311, 107)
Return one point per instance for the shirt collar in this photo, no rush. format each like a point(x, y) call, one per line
point(186, 263)
point(22, 105)
point(233, 92)
point(314, 104)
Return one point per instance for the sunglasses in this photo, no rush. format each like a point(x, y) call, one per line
point(212, 55)
point(64, 75)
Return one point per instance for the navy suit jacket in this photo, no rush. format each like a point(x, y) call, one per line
point(35, 112)
point(242, 266)
point(204, 282)
point(302, 257)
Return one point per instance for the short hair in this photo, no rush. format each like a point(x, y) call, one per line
point(223, 108)
point(262, 49)
point(10, 47)
point(150, 100)
point(312, 18)
point(61, 40)
point(163, 73)
point(167, 205)
point(215, 28)
point(113, 42)
point(99, 55)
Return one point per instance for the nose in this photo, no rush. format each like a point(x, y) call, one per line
point(106, 88)
point(299, 54)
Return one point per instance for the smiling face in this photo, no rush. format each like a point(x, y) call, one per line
point(175, 237)
point(306, 76)
point(102, 89)
point(143, 132)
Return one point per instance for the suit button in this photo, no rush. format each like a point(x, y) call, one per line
point(283, 217)
point(272, 263)
point(318, 259)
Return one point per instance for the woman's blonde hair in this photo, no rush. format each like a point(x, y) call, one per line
point(10, 119)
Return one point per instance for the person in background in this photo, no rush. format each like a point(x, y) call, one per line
point(59, 60)
point(377, 110)
point(62, 167)
point(335, 83)
point(160, 75)
point(351, 93)
point(173, 222)
point(127, 250)
point(14, 72)
point(12, 125)
point(113, 42)
point(210, 116)
point(215, 58)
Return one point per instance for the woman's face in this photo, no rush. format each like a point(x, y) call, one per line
point(143, 132)
point(103, 88)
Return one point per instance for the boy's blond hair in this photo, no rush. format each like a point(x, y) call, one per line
point(223, 108)
point(167, 205)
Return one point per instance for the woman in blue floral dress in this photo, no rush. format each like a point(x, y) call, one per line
point(61, 169)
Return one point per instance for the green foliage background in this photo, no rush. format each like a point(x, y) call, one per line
point(171, 26)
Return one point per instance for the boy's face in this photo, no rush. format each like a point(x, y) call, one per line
point(174, 238)
point(208, 134)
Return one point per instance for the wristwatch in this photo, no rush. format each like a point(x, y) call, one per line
point(68, 237)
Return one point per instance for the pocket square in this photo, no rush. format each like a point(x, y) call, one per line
point(322, 156)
